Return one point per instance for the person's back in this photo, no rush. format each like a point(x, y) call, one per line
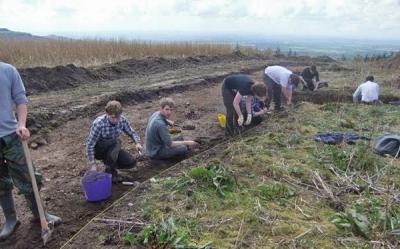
point(154, 142)
point(278, 74)
point(239, 82)
point(368, 90)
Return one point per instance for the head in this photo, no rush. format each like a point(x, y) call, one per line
point(166, 107)
point(294, 80)
point(113, 111)
point(259, 90)
point(313, 68)
point(370, 78)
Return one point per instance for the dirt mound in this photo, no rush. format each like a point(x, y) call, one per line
point(42, 79)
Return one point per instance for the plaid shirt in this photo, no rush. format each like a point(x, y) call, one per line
point(103, 129)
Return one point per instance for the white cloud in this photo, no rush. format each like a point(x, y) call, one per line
point(356, 18)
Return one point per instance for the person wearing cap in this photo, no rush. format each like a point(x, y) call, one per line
point(279, 79)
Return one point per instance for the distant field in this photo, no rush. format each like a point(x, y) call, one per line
point(32, 53)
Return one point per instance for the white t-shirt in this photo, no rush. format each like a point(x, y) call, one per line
point(369, 92)
point(278, 74)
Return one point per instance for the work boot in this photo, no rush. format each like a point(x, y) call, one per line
point(115, 178)
point(55, 220)
point(12, 223)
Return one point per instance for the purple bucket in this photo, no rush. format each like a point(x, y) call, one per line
point(97, 186)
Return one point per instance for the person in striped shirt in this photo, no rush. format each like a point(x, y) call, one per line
point(103, 142)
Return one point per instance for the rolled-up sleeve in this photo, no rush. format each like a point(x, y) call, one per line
point(18, 89)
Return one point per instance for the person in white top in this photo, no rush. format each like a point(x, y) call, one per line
point(369, 92)
point(280, 79)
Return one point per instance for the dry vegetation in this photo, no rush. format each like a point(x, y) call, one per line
point(32, 53)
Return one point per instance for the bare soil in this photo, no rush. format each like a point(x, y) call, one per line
point(65, 100)
point(61, 119)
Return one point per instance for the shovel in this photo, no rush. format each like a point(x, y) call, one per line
point(47, 228)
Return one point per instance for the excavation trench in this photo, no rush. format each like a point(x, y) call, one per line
point(64, 128)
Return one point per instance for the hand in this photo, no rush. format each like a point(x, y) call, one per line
point(240, 120)
point(170, 122)
point(192, 143)
point(248, 119)
point(139, 148)
point(92, 167)
point(23, 133)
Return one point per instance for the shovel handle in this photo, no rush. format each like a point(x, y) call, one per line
point(43, 221)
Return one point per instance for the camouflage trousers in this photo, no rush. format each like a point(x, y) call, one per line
point(13, 167)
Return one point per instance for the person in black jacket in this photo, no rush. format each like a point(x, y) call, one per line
point(308, 74)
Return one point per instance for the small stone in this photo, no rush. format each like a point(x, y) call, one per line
point(34, 145)
point(130, 204)
point(188, 125)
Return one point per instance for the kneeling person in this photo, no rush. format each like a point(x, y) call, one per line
point(159, 144)
point(258, 109)
point(104, 144)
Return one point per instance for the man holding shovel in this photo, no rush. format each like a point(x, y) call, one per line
point(104, 144)
point(13, 164)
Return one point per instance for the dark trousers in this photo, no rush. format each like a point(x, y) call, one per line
point(231, 117)
point(109, 151)
point(309, 85)
point(274, 92)
point(172, 152)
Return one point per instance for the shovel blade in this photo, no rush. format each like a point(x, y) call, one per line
point(46, 233)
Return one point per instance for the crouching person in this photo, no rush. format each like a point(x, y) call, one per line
point(13, 166)
point(258, 110)
point(104, 143)
point(234, 87)
point(159, 144)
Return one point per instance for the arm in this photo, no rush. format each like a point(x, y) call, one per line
point(20, 99)
point(287, 91)
point(127, 128)
point(22, 131)
point(316, 76)
point(236, 104)
point(92, 139)
point(356, 95)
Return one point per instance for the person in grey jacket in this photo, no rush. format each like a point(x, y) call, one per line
point(13, 166)
point(159, 144)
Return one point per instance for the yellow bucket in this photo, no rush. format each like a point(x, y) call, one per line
point(222, 120)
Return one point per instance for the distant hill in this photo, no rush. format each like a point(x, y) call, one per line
point(9, 34)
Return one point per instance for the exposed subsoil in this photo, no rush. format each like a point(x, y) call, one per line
point(61, 158)
point(43, 79)
point(61, 119)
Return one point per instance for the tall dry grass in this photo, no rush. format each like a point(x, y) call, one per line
point(32, 53)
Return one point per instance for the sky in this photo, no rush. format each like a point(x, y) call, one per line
point(359, 19)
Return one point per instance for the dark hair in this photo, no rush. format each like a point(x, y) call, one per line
point(369, 78)
point(259, 89)
point(167, 102)
point(113, 107)
point(294, 79)
point(313, 68)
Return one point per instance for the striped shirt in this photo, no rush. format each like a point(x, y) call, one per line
point(103, 129)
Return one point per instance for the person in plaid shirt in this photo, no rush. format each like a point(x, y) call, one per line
point(104, 144)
